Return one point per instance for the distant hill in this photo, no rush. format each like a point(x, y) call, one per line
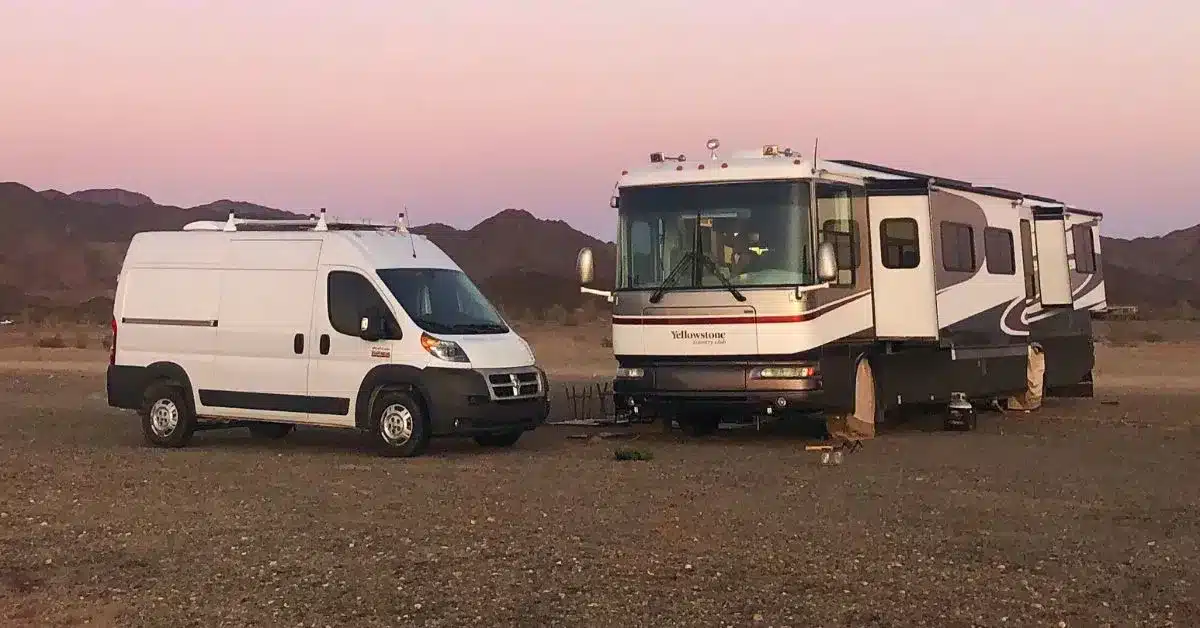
point(61, 253)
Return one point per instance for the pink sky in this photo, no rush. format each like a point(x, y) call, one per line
point(461, 108)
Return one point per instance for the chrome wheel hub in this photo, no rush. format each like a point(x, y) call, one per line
point(396, 424)
point(164, 417)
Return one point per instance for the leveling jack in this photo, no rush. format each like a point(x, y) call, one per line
point(832, 454)
point(960, 414)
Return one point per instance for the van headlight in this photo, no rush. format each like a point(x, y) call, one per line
point(630, 373)
point(447, 350)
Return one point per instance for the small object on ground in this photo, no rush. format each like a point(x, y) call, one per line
point(832, 454)
point(626, 453)
point(1111, 402)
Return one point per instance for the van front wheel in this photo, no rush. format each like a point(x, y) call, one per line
point(167, 420)
point(400, 427)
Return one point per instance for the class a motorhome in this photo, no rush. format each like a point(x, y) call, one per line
point(769, 282)
point(270, 324)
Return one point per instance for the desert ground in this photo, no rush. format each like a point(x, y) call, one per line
point(1083, 513)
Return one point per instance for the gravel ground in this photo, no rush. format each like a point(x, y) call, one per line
point(1083, 514)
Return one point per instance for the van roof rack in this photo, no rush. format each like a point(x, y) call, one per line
point(311, 223)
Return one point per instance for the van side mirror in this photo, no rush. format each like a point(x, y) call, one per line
point(584, 265)
point(827, 266)
point(371, 328)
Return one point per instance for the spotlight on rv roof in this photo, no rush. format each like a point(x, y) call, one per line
point(656, 158)
point(713, 144)
point(770, 150)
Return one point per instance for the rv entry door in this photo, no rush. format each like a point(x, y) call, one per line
point(902, 264)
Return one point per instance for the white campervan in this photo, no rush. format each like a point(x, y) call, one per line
point(268, 324)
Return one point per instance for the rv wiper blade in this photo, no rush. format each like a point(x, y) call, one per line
point(662, 289)
point(477, 327)
point(712, 268)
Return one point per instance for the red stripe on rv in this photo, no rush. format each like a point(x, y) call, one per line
point(711, 320)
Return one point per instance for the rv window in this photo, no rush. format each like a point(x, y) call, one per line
point(1085, 253)
point(844, 236)
point(898, 241)
point(349, 296)
point(998, 251)
point(958, 247)
point(1027, 259)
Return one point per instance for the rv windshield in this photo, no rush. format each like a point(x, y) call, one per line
point(753, 233)
point(443, 301)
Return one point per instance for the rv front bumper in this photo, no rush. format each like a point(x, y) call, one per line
point(460, 404)
point(725, 387)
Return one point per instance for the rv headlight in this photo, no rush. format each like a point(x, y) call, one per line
point(447, 350)
point(630, 373)
point(787, 372)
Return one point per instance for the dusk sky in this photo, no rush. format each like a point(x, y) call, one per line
point(461, 108)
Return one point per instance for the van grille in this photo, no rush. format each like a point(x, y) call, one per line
point(505, 385)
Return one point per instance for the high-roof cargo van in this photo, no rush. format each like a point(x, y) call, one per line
point(270, 324)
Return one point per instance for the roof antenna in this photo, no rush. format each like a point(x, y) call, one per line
point(402, 227)
point(816, 141)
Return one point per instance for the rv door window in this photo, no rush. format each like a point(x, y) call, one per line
point(349, 297)
point(1027, 259)
point(998, 251)
point(958, 247)
point(899, 243)
point(1085, 253)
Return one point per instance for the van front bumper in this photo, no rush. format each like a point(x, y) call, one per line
point(460, 403)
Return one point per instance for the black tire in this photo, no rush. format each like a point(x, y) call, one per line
point(499, 439)
point(399, 427)
point(269, 431)
point(167, 417)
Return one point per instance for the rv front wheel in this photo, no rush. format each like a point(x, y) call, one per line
point(400, 427)
point(167, 420)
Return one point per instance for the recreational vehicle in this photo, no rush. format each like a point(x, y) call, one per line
point(767, 282)
point(269, 324)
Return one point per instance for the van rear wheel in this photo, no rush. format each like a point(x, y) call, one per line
point(167, 419)
point(401, 429)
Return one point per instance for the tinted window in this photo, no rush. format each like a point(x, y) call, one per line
point(1027, 259)
point(898, 240)
point(958, 247)
point(1085, 253)
point(350, 296)
point(443, 301)
point(844, 236)
point(998, 251)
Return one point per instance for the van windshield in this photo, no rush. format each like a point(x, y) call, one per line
point(443, 301)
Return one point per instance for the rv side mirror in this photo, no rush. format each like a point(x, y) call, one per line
point(584, 266)
point(827, 267)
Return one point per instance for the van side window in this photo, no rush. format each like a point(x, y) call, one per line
point(898, 241)
point(1085, 253)
point(350, 296)
point(958, 247)
point(998, 251)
